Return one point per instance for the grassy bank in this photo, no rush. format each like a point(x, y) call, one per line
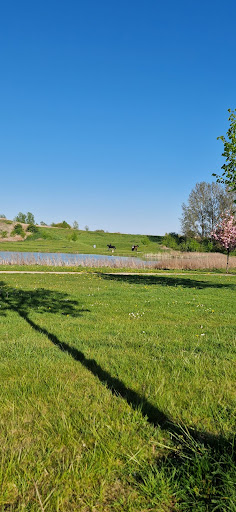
point(75, 241)
point(117, 393)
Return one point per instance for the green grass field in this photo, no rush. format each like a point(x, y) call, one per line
point(117, 393)
point(61, 240)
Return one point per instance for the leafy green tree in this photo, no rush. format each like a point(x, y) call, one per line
point(20, 217)
point(229, 168)
point(75, 225)
point(86, 228)
point(2, 216)
point(25, 218)
point(30, 218)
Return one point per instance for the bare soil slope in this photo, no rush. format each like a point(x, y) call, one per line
point(6, 228)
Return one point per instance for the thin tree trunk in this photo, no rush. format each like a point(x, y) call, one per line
point(227, 266)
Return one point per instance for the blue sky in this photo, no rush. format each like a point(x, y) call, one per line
point(109, 110)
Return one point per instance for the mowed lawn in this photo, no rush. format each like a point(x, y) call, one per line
point(117, 393)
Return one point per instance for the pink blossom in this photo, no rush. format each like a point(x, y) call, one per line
point(225, 232)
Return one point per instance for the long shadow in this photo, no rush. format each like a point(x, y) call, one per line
point(145, 280)
point(116, 386)
point(153, 415)
point(42, 300)
point(185, 451)
point(39, 300)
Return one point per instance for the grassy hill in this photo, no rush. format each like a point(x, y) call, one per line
point(48, 239)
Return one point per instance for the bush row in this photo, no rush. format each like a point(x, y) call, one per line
point(184, 244)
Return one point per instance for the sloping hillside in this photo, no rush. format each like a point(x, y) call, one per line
point(7, 231)
point(49, 239)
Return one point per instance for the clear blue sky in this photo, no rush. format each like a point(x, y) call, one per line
point(110, 109)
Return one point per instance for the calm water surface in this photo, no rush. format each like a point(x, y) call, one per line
point(67, 259)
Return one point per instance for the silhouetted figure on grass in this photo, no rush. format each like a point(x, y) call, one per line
point(112, 247)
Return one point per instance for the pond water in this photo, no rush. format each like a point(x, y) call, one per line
point(64, 259)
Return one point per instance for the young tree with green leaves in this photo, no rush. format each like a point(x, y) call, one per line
point(228, 176)
point(25, 218)
point(20, 217)
point(30, 218)
point(75, 225)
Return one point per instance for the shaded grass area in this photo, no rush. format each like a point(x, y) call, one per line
point(118, 392)
point(61, 240)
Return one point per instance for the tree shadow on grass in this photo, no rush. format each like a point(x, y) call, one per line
point(172, 280)
point(190, 445)
point(47, 301)
point(39, 300)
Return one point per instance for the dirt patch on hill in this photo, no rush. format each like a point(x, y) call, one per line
point(6, 228)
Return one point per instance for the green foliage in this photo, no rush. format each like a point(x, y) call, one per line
point(25, 218)
point(30, 218)
point(4, 234)
point(86, 228)
point(7, 221)
point(172, 240)
point(73, 237)
point(62, 224)
point(18, 230)
point(42, 223)
point(145, 241)
point(208, 245)
point(20, 217)
point(190, 245)
point(75, 225)
point(187, 244)
point(2, 216)
point(229, 168)
point(32, 228)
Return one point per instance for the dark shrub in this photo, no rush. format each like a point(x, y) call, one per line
point(32, 228)
point(62, 224)
point(18, 230)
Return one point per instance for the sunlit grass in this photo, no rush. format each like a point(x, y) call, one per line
point(117, 392)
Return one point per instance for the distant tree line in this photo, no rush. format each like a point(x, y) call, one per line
point(28, 218)
point(25, 218)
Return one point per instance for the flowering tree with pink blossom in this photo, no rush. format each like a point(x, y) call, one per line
point(225, 234)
